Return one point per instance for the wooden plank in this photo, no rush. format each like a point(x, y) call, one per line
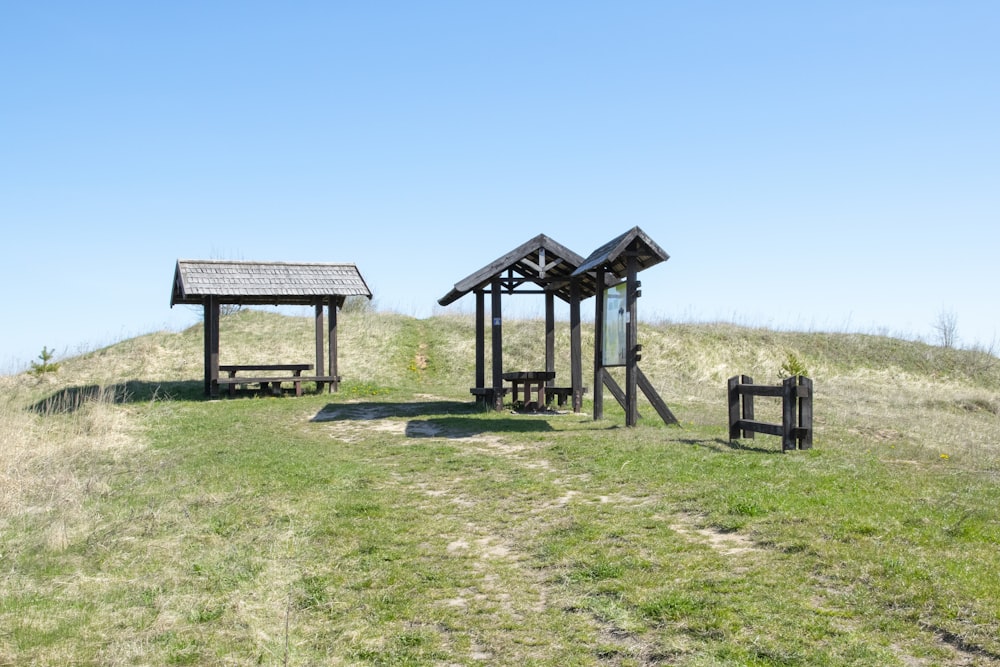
point(265, 367)
point(654, 398)
point(760, 390)
point(613, 387)
point(250, 379)
point(759, 427)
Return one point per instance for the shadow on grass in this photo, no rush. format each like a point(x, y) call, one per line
point(71, 399)
point(723, 445)
point(435, 419)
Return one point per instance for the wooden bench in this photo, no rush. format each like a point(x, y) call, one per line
point(486, 395)
point(274, 382)
point(561, 394)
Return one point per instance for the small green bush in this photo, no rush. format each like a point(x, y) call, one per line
point(793, 366)
point(47, 365)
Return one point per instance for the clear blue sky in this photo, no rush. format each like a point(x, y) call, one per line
point(848, 150)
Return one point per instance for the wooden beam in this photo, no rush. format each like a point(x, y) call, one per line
point(550, 336)
point(575, 346)
point(332, 371)
point(480, 339)
point(654, 398)
point(318, 328)
point(613, 387)
point(212, 346)
point(631, 341)
point(497, 337)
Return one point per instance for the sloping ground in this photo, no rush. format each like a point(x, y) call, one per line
point(395, 524)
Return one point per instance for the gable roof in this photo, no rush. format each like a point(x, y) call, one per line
point(612, 255)
point(264, 283)
point(541, 261)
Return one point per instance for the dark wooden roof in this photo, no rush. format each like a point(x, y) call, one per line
point(541, 262)
point(613, 255)
point(264, 283)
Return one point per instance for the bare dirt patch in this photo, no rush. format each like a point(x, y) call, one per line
point(727, 544)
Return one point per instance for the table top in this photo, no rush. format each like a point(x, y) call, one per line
point(265, 367)
point(529, 375)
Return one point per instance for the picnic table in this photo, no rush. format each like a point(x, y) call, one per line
point(530, 381)
point(264, 381)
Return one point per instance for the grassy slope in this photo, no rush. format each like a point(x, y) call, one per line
point(393, 523)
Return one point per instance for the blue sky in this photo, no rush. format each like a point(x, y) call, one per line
point(848, 153)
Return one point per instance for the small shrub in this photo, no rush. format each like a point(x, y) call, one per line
point(793, 366)
point(47, 365)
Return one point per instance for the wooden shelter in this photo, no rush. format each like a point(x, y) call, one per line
point(212, 283)
point(539, 266)
point(619, 259)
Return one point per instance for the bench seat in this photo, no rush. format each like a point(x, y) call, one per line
point(560, 394)
point(263, 381)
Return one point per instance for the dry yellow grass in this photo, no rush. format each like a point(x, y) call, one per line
point(42, 447)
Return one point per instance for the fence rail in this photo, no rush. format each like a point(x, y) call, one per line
point(796, 427)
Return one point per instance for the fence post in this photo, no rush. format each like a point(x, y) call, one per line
point(806, 412)
point(789, 411)
point(747, 406)
point(734, 407)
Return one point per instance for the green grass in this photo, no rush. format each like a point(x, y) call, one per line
point(394, 523)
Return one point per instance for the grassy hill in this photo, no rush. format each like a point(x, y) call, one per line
point(394, 523)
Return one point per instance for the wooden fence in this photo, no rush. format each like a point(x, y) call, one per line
point(796, 427)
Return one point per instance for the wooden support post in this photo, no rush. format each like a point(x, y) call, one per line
point(747, 413)
point(575, 346)
point(480, 339)
point(333, 370)
point(733, 393)
point(806, 412)
point(631, 341)
point(788, 413)
point(550, 337)
point(211, 346)
point(497, 332)
point(319, 333)
point(599, 347)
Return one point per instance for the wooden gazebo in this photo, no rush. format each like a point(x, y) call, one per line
point(212, 283)
point(539, 266)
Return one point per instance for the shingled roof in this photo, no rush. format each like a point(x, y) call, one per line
point(264, 283)
point(612, 255)
point(541, 261)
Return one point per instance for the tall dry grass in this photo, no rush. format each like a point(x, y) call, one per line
point(47, 446)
